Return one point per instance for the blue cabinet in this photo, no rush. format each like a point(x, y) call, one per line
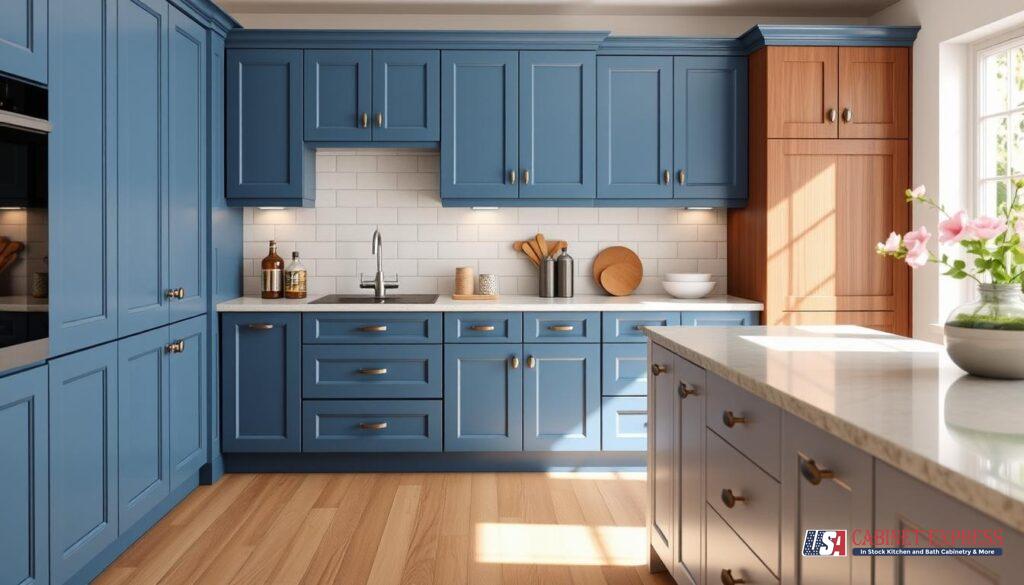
point(557, 100)
point(371, 371)
point(718, 318)
point(634, 127)
point(483, 397)
point(627, 327)
point(562, 397)
point(337, 95)
point(483, 327)
point(624, 369)
point(24, 479)
point(479, 124)
point(373, 327)
point(710, 127)
point(186, 357)
point(261, 382)
point(562, 327)
point(624, 423)
point(406, 96)
point(83, 458)
point(23, 40)
point(372, 426)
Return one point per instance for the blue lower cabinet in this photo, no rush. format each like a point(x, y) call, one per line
point(483, 397)
point(187, 367)
point(371, 425)
point(718, 318)
point(83, 458)
point(484, 327)
point(24, 479)
point(261, 382)
point(562, 327)
point(361, 328)
point(626, 327)
point(624, 423)
point(371, 371)
point(562, 397)
point(624, 369)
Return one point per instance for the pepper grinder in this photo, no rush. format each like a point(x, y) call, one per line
point(547, 277)
point(564, 275)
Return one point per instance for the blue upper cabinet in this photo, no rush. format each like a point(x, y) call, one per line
point(406, 96)
point(634, 127)
point(23, 39)
point(479, 124)
point(557, 99)
point(337, 95)
point(710, 127)
point(268, 163)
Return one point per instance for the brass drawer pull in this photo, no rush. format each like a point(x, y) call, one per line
point(531, 362)
point(814, 474)
point(526, 176)
point(667, 177)
point(364, 120)
point(847, 115)
point(374, 328)
point(260, 326)
point(658, 369)
point(732, 420)
point(561, 327)
point(176, 347)
point(686, 389)
point(682, 177)
point(481, 328)
point(176, 293)
point(730, 499)
point(831, 116)
point(728, 579)
point(375, 426)
point(514, 362)
point(512, 177)
point(373, 371)
point(380, 120)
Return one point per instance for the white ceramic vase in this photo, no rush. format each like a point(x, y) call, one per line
point(986, 337)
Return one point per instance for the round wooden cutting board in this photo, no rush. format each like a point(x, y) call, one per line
point(615, 255)
point(621, 279)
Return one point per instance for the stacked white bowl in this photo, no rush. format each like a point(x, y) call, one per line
point(685, 285)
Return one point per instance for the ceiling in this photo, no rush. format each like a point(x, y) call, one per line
point(795, 8)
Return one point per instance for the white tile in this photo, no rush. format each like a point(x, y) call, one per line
point(399, 266)
point(398, 164)
point(657, 250)
point(336, 267)
point(335, 215)
point(656, 215)
point(712, 233)
point(418, 285)
point(506, 233)
point(698, 216)
point(723, 250)
point(294, 232)
point(417, 250)
point(438, 233)
point(357, 163)
point(336, 180)
point(468, 233)
point(577, 215)
point(418, 181)
point(429, 164)
point(306, 215)
point(355, 198)
point(716, 267)
point(467, 250)
point(325, 233)
point(595, 233)
point(569, 233)
point(417, 215)
point(376, 180)
point(617, 215)
point(667, 265)
point(430, 198)
point(445, 267)
point(639, 232)
point(353, 250)
point(697, 250)
point(377, 215)
point(259, 233)
point(313, 250)
point(325, 198)
point(275, 216)
point(538, 215)
point(398, 198)
point(326, 163)
point(509, 266)
point(677, 233)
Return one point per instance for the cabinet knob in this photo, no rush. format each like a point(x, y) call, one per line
point(176, 347)
point(374, 329)
point(814, 474)
point(374, 426)
point(364, 120)
point(176, 293)
point(512, 177)
point(847, 115)
point(730, 499)
point(728, 579)
point(481, 328)
point(658, 369)
point(260, 326)
point(379, 120)
point(686, 389)
point(526, 176)
point(732, 420)
point(831, 115)
point(514, 362)
point(531, 362)
point(681, 176)
point(373, 371)
point(666, 176)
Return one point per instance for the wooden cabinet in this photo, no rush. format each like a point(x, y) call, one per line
point(874, 92)
point(483, 397)
point(23, 42)
point(24, 478)
point(562, 397)
point(801, 92)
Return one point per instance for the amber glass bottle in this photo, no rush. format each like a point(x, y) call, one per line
point(273, 277)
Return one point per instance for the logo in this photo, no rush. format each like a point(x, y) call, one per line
point(824, 543)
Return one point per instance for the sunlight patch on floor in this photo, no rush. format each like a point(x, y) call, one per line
point(556, 544)
point(600, 475)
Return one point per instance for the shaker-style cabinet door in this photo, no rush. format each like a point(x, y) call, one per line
point(479, 124)
point(634, 127)
point(802, 91)
point(483, 397)
point(337, 95)
point(662, 462)
point(562, 397)
point(710, 128)
point(691, 432)
point(187, 357)
point(557, 99)
point(23, 42)
point(406, 96)
point(874, 92)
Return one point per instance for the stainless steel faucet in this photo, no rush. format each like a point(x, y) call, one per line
point(379, 284)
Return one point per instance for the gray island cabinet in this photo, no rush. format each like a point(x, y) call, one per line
point(759, 435)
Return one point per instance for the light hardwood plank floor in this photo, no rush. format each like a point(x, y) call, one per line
point(408, 529)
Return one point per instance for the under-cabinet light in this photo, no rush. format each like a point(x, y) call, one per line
point(699, 208)
point(485, 208)
point(271, 208)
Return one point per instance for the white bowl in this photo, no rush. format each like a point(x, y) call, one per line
point(688, 290)
point(687, 277)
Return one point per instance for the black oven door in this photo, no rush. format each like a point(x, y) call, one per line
point(22, 168)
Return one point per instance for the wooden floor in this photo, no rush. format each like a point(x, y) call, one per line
point(426, 529)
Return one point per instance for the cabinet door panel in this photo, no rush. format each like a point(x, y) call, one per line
point(634, 127)
point(483, 398)
point(803, 85)
point(624, 423)
point(710, 127)
point(874, 85)
point(406, 95)
point(187, 394)
point(562, 397)
point(23, 39)
point(661, 453)
point(556, 115)
point(690, 440)
point(187, 166)
point(337, 94)
point(479, 123)
point(141, 163)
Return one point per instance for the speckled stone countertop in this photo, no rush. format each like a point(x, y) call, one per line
point(901, 400)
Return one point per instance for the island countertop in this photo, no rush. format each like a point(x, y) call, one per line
point(900, 400)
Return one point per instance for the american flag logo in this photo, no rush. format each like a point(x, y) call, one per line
point(824, 543)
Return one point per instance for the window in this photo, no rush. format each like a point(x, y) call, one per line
point(999, 128)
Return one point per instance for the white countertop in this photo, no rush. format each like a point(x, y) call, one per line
point(445, 304)
point(901, 400)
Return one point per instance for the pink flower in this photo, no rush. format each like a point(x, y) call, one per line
point(917, 255)
point(986, 228)
point(954, 229)
point(920, 235)
point(919, 192)
point(891, 245)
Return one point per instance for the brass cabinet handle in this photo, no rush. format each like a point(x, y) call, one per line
point(176, 293)
point(260, 326)
point(666, 176)
point(681, 176)
point(730, 499)
point(374, 328)
point(514, 362)
point(531, 362)
point(512, 177)
point(373, 371)
point(658, 369)
point(847, 115)
point(374, 426)
point(686, 389)
point(561, 327)
point(732, 420)
point(379, 119)
point(814, 474)
point(526, 176)
point(728, 579)
point(831, 115)
point(176, 347)
point(481, 328)
point(364, 120)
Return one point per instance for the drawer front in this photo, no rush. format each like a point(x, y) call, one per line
point(755, 424)
point(371, 425)
point(625, 327)
point(728, 555)
point(562, 327)
point(483, 327)
point(393, 371)
point(624, 369)
point(718, 318)
point(755, 517)
point(624, 423)
point(371, 328)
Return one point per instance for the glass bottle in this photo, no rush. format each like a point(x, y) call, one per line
point(272, 270)
point(295, 279)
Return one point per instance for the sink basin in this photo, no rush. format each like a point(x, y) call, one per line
point(369, 300)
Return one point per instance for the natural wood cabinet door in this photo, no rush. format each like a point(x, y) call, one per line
point(802, 92)
point(874, 92)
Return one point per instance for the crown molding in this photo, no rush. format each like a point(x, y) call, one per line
point(763, 35)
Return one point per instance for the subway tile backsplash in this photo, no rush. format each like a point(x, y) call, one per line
point(397, 190)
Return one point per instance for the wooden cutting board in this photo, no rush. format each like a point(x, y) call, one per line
point(616, 255)
point(621, 279)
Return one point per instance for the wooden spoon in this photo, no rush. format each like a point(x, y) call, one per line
point(556, 246)
point(531, 254)
point(543, 245)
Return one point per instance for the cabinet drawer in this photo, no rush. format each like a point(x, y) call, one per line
point(624, 423)
point(625, 327)
point(562, 327)
point(717, 318)
point(483, 327)
point(746, 422)
point(371, 328)
point(392, 371)
point(728, 555)
point(624, 369)
point(755, 518)
point(371, 425)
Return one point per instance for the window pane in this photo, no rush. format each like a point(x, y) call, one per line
point(994, 147)
point(1018, 77)
point(1017, 144)
point(992, 194)
point(994, 84)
